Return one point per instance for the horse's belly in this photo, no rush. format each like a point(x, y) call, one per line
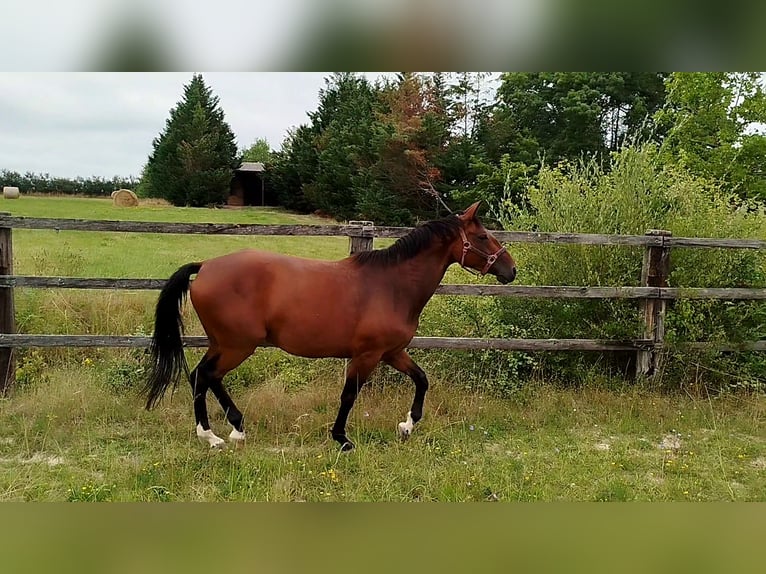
point(311, 347)
point(312, 338)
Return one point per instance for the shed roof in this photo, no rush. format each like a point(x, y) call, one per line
point(251, 166)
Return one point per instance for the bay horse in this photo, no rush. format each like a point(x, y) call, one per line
point(364, 308)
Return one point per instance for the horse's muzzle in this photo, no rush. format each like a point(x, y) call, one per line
point(506, 278)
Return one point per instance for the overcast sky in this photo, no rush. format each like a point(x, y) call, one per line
point(102, 124)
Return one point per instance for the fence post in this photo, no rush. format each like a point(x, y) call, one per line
point(360, 235)
point(7, 311)
point(654, 273)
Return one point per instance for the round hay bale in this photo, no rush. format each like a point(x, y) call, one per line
point(124, 198)
point(10, 192)
point(114, 192)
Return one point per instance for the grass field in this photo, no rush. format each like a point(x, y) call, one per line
point(75, 429)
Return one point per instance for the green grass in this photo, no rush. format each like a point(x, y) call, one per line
point(152, 210)
point(74, 428)
point(75, 438)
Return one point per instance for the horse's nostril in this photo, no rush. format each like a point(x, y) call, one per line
point(513, 274)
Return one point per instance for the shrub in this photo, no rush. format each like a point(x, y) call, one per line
point(638, 193)
point(126, 373)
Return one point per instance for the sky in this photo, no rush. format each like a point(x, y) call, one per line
point(103, 124)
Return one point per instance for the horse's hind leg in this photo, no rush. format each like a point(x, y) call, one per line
point(233, 414)
point(200, 379)
point(403, 363)
point(228, 360)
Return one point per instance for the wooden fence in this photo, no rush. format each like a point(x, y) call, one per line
point(652, 294)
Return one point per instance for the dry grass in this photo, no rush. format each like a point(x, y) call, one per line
point(75, 437)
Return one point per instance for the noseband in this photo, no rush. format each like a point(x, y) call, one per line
point(468, 246)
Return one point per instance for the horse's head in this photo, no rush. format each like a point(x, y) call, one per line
point(478, 250)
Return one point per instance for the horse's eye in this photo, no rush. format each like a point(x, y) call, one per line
point(483, 237)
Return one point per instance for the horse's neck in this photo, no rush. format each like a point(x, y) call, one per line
point(420, 276)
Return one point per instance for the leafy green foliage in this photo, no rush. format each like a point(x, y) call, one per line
point(343, 143)
point(410, 134)
point(292, 170)
point(31, 368)
point(384, 151)
point(126, 373)
point(563, 115)
point(259, 150)
point(638, 194)
point(377, 152)
point(708, 120)
point(193, 159)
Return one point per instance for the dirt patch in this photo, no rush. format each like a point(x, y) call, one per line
point(670, 442)
point(36, 458)
point(48, 459)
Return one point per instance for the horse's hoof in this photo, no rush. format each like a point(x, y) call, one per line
point(208, 437)
point(404, 431)
point(236, 436)
point(347, 446)
point(219, 444)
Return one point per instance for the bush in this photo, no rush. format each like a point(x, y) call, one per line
point(636, 195)
point(126, 373)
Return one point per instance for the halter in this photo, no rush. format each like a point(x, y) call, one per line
point(468, 246)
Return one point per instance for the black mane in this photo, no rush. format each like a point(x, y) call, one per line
point(407, 247)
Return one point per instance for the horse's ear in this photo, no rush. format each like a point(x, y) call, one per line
point(470, 212)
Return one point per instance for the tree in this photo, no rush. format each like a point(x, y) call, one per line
point(259, 151)
point(708, 122)
point(293, 168)
point(467, 100)
point(564, 115)
point(464, 101)
point(193, 159)
point(410, 134)
point(343, 138)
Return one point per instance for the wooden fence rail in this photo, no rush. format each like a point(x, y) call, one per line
point(453, 343)
point(527, 291)
point(652, 294)
point(15, 222)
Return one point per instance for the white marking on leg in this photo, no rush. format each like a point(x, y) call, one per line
point(405, 428)
point(209, 437)
point(236, 436)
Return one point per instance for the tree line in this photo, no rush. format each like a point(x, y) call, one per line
point(389, 150)
point(45, 183)
point(398, 149)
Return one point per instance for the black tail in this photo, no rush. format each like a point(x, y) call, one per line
point(167, 352)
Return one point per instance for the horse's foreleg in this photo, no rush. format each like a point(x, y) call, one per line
point(403, 363)
point(359, 368)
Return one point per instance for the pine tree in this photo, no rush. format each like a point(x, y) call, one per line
point(193, 159)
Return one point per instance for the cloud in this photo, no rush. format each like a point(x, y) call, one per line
point(89, 124)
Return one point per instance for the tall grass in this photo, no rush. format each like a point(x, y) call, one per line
point(75, 438)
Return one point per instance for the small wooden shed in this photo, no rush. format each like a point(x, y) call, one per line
point(248, 186)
